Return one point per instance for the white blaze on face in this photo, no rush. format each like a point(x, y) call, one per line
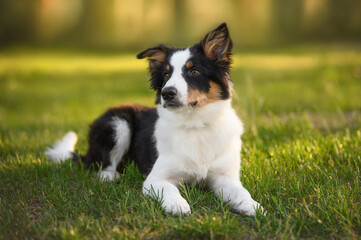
point(177, 61)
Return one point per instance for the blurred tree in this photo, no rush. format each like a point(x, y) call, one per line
point(17, 21)
point(341, 23)
point(138, 23)
point(95, 23)
point(286, 20)
point(180, 15)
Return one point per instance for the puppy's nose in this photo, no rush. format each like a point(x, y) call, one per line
point(169, 93)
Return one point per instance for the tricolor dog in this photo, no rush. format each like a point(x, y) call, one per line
point(193, 134)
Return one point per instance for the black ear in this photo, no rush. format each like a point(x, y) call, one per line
point(217, 45)
point(155, 55)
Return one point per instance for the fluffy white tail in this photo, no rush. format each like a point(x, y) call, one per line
point(63, 150)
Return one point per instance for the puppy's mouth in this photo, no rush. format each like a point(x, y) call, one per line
point(193, 104)
point(174, 104)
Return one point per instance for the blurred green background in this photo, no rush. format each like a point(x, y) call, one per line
point(290, 56)
point(132, 24)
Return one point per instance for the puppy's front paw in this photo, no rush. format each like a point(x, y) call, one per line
point(177, 206)
point(250, 207)
point(108, 176)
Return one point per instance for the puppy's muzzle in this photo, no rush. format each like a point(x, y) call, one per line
point(169, 94)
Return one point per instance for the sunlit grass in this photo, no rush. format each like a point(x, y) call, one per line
point(49, 63)
point(301, 149)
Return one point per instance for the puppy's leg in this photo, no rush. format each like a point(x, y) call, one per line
point(231, 190)
point(122, 140)
point(108, 174)
point(159, 186)
point(224, 180)
point(168, 194)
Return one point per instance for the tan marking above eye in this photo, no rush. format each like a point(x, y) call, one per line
point(168, 68)
point(189, 64)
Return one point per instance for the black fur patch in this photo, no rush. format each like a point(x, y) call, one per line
point(141, 121)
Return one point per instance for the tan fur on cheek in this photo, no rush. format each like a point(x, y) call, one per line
point(200, 99)
point(214, 92)
point(196, 97)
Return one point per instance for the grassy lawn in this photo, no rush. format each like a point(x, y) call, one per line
point(301, 152)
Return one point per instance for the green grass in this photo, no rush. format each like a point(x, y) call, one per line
point(301, 152)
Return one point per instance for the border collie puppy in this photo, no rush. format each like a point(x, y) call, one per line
point(194, 133)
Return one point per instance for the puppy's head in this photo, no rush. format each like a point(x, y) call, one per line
point(193, 76)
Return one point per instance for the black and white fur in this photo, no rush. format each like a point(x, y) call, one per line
point(194, 133)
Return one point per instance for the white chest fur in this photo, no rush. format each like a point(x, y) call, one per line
point(191, 142)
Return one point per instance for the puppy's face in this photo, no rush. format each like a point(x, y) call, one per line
point(194, 76)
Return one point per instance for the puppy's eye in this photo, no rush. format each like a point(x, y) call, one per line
point(194, 72)
point(166, 76)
